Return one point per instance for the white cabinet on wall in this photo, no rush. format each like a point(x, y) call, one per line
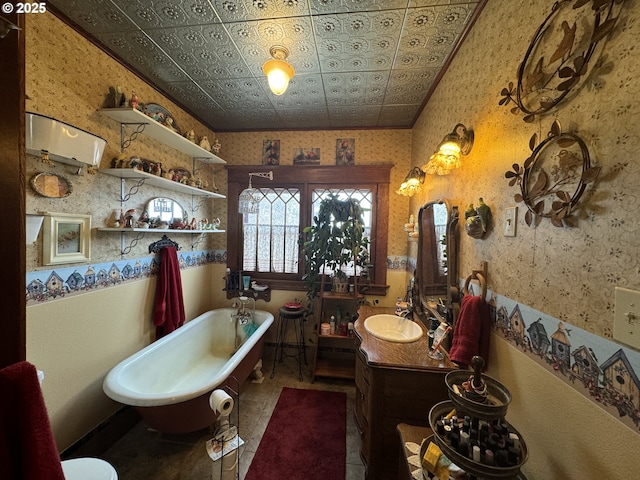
point(142, 124)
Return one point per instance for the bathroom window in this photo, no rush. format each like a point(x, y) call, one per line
point(270, 236)
point(266, 244)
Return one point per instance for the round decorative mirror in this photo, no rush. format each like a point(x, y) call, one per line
point(162, 209)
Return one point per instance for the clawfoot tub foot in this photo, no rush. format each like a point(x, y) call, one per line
point(257, 376)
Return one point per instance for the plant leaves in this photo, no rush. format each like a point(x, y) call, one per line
point(529, 118)
point(539, 185)
point(557, 222)
point(533, 141)
point(556, 129)
point(590, 174)
point(510, 174)
point(566, 142)
point(566, 72)
point(504, 101)
point(539, 207)
point(528, 162)
point(580, 65)
point(603, 30)
point(513, 181)
point(567, 84)
point(547, 103)
point(564, 197)
point(505, 92)
point(518, 198)
point(528, 217)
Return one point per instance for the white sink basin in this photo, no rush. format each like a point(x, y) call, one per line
point(393, 328)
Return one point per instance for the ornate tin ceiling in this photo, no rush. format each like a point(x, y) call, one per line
point(358, 63)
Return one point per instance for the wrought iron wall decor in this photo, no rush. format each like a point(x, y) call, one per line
point(570, 170)
point(559, 54)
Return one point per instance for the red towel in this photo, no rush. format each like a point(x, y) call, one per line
point(27, 448)
point(471, 332)
point(168, 312)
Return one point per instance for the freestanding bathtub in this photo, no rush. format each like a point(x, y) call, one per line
point(169, 381)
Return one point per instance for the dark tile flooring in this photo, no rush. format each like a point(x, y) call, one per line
point(146, 454)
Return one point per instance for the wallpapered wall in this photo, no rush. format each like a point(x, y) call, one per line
point(68, 79)
point(571, 272)
point(567, 274)
point(62, 87)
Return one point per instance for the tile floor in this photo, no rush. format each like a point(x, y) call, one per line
point(146, 454)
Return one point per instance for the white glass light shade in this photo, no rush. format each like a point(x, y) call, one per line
point(278, 74)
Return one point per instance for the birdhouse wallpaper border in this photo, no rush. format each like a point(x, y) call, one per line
point(603, 371)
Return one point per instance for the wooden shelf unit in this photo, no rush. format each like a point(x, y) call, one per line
point(335, 355)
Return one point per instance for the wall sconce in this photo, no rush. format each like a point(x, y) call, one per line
point(412, 183)
point(278, 71)
point(250, 197)
point(447, 158)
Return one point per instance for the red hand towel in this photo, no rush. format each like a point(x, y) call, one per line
point(471, 332)
point(27, 448)
point(168, 313)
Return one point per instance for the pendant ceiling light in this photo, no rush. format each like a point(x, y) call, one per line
point(278, 71)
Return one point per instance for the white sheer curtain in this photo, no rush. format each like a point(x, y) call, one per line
point(271, 235)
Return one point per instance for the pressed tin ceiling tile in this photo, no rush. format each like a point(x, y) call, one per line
point(358, 63)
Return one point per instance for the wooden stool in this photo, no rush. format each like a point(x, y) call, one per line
point(297, 317)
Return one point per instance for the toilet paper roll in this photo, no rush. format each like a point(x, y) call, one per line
point(220, 402)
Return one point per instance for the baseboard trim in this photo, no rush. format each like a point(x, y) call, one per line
point(105, 435)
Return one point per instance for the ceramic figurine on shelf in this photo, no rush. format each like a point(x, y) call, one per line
point(191, 136)
point(169, 124)
point(204, 143)
point(134, 102)
point(128, 218)
point(215, 148)
point(215, 223)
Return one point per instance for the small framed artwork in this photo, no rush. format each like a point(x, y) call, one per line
point(66, 238)
point(306, 156)
point(346, 151)
point(271, 152)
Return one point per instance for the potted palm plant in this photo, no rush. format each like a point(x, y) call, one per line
point(336, 239)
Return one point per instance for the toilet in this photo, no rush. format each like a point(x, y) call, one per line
point(88, 469)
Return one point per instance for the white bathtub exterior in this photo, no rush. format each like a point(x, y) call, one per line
point(190, 361)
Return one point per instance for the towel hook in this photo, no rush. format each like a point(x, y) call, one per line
point(165, 241)
point(479, 275)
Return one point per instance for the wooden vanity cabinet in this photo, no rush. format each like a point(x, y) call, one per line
point(395, 383)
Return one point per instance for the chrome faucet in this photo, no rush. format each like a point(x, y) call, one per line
point(243, 316)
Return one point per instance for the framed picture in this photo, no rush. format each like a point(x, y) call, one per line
point(346, 151)
point(306, 156)
point(66, 238)
point(271, 152)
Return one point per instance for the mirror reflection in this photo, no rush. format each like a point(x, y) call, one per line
point(164, 210)
point(436, 267)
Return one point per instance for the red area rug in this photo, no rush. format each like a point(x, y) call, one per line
point(305, 438)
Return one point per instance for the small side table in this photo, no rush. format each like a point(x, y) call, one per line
point(409, 433)
point(285, 317)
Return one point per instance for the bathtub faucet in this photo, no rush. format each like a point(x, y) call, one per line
point(243, 316)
